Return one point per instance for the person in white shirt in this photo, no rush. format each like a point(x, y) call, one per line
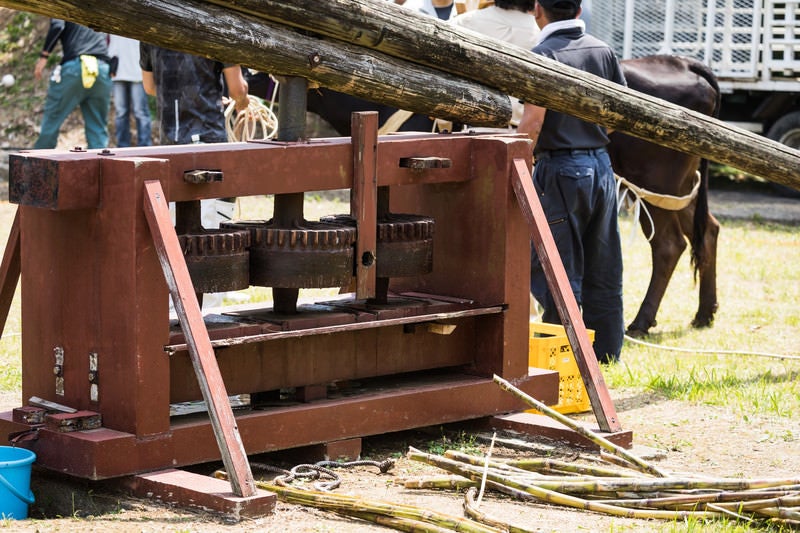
point(511, 21)
point(128, 93)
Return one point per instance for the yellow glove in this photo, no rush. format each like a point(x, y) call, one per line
point(89, 70)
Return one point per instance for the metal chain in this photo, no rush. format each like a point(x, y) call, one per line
point(320, 470)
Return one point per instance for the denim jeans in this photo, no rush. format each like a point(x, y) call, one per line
point(129, 96)
point(66, 94)
point(578, 195)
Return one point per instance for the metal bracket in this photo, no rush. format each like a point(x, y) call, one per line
point(94, 378)
point(58, 369)
point(202, 176)
point(423, 163)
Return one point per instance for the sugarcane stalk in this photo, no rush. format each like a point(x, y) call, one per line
point(784, 514)
point(471, 510)
point(730, 497)
point(501, 466)
point(400, 524)
point(613, 459)
point(728, 512)
point(350, 504)
point(440, 482)
point(606, 444)
point(580, 472)
point(506, 468)
point(754, 505)
point(553, 465)
point(551, 496)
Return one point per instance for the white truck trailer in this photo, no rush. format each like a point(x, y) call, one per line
point(753, 46)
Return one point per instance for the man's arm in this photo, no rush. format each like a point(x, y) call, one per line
point(53, 34)
point(237, 86)
point(148, 82)
point(532, 120)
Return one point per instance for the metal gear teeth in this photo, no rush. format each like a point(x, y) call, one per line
point(214, 243)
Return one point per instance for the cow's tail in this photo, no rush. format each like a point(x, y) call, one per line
point(701, 212)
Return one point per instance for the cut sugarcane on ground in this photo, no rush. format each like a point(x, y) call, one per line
point(703, 440)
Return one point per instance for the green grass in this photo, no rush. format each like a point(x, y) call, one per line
point(758, 286)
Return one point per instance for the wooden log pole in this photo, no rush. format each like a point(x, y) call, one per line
point(404, 33)
point(359, 57)
point(220, 33)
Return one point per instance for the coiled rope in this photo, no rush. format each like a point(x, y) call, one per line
point(257, 122)
point(319, 470)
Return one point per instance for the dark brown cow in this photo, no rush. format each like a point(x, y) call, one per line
point(690, 84)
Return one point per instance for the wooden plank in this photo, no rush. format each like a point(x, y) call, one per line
point(9, 271)
point(202, 354)
point(364, 201)
point(568, 310)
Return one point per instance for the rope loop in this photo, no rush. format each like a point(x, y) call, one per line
point(257, 122)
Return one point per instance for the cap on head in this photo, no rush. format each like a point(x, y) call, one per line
point(549, 4)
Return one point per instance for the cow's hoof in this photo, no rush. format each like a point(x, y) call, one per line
point(637, 329)
point(636, 333)
point(703, 322)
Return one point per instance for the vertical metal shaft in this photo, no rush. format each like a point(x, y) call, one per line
point(289, 207)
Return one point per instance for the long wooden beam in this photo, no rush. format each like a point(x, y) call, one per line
point(404, 33)
point(359, 57)
point(205, 29)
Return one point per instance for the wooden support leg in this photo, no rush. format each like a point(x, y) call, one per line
point(568, 310)
point(200, 349)
point(9, 271)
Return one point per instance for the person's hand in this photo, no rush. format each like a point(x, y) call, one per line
point(240, 104)
point(39, 68)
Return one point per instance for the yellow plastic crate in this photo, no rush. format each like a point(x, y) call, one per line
point(549, 348)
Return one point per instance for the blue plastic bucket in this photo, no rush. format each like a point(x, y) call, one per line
point(15, 482)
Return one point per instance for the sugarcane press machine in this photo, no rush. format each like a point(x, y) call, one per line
point(435, 249)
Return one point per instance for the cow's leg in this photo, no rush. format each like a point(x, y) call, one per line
point(666, 247)
point(707, 275)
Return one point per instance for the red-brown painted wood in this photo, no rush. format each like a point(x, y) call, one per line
point(9, 271)
point(204, 361)
point(557, 281)
point(364, 200)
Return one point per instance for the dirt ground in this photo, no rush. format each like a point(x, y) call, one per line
point(676, 436)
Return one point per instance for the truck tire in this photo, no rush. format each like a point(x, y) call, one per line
point(786, 130)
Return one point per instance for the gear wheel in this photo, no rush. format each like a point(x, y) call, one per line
point(309, 255)
point(404, 243)
point(218, 260)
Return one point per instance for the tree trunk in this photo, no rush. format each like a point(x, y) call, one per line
point(205, 29)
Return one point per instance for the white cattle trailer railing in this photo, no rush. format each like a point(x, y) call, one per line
point(753, 46)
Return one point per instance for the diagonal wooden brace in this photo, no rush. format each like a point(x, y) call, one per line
point(9, 271)
point(200, 350)
point(568, 310)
